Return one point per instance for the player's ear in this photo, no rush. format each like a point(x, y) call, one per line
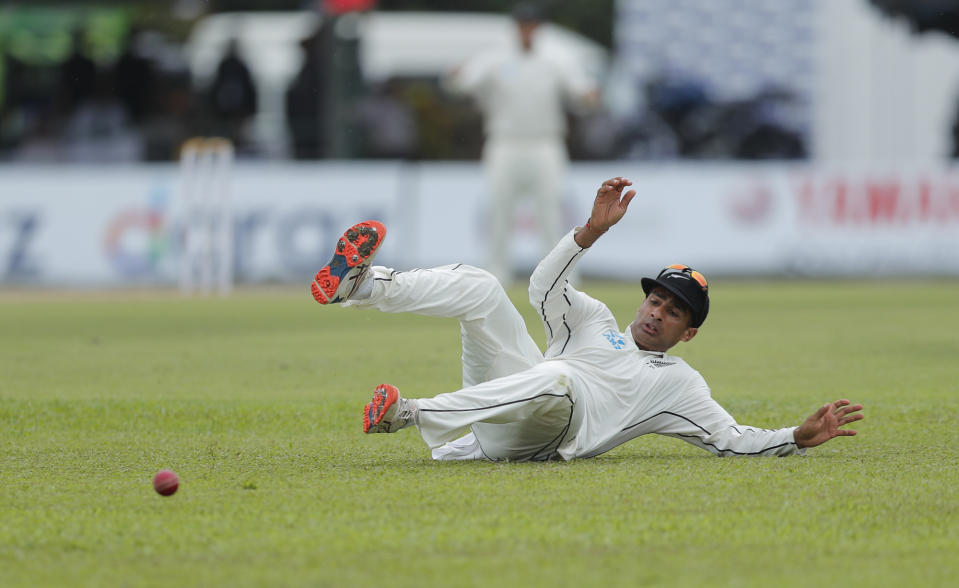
point(689, 334)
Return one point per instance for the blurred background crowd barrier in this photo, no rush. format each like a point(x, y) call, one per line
point(96, 84)
point(809, 137)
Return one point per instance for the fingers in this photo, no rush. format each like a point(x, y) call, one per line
point(850, 419)
point(610, 203)
point(613, 188)
point(843, 408)
point(846, 413)
point(822, 411)
point(825, 423)
point(615, 184)
point(843, 402)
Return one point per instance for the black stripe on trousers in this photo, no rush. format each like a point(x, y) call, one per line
point(416, 269)
point(560, 437)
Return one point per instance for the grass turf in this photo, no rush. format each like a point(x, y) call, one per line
point(255, 401)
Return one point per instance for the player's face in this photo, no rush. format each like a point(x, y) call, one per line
point(527, 30)
point(661, 322)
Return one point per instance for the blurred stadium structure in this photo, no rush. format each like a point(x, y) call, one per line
point(398, 48)
point(766, 80)
point(809, 137)
point(739, 87)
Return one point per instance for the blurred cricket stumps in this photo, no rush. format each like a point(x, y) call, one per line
point(206, 260)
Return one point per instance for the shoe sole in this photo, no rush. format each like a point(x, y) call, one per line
point(384, 397)
point(354, 252)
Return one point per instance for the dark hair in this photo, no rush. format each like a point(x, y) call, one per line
point(527, 12)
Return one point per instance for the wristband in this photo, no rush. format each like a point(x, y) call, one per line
point(591, 229)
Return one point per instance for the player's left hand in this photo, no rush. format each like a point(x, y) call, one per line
point(824, 424)
point(610, 203)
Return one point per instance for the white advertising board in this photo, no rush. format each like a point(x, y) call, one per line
point(85, 226)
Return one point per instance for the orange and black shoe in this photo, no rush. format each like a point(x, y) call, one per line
point(351, 261)
point(388, 412)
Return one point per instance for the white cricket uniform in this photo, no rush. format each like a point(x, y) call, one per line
point(523, 97)
point(591, 391)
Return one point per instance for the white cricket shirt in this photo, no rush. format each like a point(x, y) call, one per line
point(522, 94)
point(622, 392)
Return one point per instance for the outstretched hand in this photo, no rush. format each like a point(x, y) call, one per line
point(610, 203)
point(824, 424)
point(608, 207)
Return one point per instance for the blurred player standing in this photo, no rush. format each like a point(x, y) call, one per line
point(523, 94)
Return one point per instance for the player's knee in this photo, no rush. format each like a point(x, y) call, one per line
point(484, 285)
point(482, 279)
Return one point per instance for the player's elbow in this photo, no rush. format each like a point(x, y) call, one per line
point(542, 284)
point(537, 294)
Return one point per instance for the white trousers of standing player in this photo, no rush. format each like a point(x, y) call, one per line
point(523, 168)
point(511, 406)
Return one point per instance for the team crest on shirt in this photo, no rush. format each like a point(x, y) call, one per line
point(615, 339)
point(658, 363)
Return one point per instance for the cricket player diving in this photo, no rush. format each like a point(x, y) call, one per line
point(596, 386)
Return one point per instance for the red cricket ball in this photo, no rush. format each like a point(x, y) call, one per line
point(166, 482)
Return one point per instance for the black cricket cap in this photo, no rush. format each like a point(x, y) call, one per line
point(686, 284)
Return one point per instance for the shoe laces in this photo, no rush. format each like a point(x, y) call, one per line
point(406, 412)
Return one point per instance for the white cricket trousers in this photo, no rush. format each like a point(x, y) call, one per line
point(523, 168)
point(518, 406)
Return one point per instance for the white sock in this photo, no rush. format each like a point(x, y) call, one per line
point(408, 411)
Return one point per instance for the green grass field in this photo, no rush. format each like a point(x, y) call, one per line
point(255, 401)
